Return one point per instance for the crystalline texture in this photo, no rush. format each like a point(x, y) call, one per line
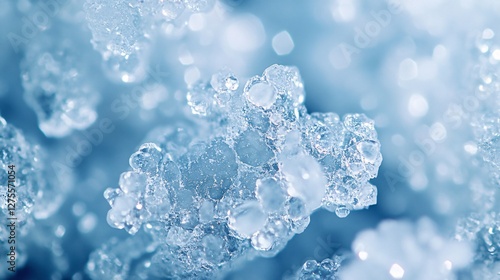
point(247, 184)
point(37, 192)
point(56, 85)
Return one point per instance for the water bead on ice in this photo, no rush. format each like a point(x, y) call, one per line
point(242, 179)
point(260, 93)
point(342, 211)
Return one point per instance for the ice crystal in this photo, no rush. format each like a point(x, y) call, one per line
point(244, 180)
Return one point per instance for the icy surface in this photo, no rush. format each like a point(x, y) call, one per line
point(327, 269)
point(243, 178)
point(402, 250)
point(37, 190)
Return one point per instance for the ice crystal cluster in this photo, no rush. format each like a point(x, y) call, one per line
point(327, 269)
point(402, 250)
point(244, 180)
point(56, 83)
point(485, 107)
point(36, 194)
point(121, 30)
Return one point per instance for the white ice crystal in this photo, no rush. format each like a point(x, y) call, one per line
point(402, 250)
point(242, 178)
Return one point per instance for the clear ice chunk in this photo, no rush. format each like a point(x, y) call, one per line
point(243, 177)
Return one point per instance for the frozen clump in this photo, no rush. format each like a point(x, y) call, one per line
point(28, 187)
point(243, 177)
point(327, 269)
point(402, 250)
point(56, 82)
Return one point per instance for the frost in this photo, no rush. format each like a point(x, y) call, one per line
point(246, 175)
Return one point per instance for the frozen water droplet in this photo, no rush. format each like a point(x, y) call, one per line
point(342, 211)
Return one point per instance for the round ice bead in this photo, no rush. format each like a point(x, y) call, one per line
point(260, 93)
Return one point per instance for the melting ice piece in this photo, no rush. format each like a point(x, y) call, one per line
point(402, 250)
point(326, 269)
point(247, 184)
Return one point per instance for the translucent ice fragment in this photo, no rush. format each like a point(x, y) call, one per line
point(242, 179)
point(247, 219)
point(260, 93)
point(306, 179)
